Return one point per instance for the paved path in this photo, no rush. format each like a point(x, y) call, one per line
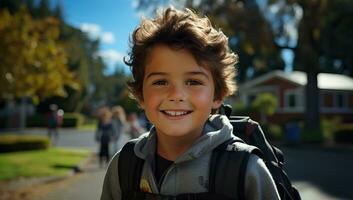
point(86, 185)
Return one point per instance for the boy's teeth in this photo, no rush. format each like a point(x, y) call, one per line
point(176, 113)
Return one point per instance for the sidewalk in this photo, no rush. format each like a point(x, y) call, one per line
point(86, 184)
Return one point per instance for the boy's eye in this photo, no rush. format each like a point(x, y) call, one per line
point(159, 82)
point(194, 82)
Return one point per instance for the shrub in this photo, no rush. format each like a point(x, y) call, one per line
point(10, 143)
point(330, 126)
point(272, 132)
point(3, 121)
point(37, 120)
point(275, 132)
point(343, 136)
point(312, 135)
point(73, 120)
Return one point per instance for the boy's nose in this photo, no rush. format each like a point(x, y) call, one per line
point(176, 94)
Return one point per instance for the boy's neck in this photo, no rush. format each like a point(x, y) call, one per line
point(171, 148)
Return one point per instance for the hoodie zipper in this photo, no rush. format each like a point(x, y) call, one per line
point(164, 175)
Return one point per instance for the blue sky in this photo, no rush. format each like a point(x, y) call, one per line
point(112, 21)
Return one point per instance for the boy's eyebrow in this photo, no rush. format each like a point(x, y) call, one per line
point(155, 74)
point(188, 73)
point(198, 73)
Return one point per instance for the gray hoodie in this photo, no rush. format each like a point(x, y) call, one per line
point(189, 172)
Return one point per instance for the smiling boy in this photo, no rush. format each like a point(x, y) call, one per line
point(182, 70)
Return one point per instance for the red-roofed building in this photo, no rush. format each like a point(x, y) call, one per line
point(336, 94)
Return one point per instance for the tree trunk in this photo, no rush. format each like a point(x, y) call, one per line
point(309, 57)
point(312, 112)
point(23, 113)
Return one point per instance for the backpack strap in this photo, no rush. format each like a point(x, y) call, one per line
point(129, 170)
point(228, 167)
point(251, 132)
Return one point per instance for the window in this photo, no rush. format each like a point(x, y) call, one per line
point(251, 98)
point(340, 100)
point(292, 101)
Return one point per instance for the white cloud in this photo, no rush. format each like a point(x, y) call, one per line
point(112, 57)
point(107, 37)
point(94, 31)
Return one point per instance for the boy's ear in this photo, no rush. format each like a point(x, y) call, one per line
point(141, 104)
point(217, 103)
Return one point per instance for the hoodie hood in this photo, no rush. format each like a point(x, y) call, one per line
point(217, 130)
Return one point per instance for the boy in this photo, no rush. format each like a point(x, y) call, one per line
point(182, 70)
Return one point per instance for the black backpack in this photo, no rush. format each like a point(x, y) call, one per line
point(224, 165)
point(251, 133)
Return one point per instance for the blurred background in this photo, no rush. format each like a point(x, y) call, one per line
point(63, 86)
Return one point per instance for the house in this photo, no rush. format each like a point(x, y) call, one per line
point(335, 90)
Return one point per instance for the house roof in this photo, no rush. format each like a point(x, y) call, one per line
point(325, 80)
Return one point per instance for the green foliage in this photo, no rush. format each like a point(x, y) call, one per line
point(33, 63)
point(239, 108)
point(265, 103)
point(51, 162)
point(37, 120)
point(249, 33)
point(330, 126)
point(275, 132)
point(335, 130)
point(312, 135)
point(10, 143)
point(73, 49)
point(344, 136)
point(73, 120)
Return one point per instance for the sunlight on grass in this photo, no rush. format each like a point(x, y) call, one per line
point(40, 163)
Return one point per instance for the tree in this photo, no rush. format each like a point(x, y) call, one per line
point(250, 35)
point(33, 63)
point(324, 39)
point(265, 104)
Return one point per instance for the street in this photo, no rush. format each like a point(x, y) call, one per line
point(321, 171)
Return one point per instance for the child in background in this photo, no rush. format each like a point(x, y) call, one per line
point(104, 134)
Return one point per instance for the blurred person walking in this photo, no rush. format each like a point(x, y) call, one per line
point(54, 120)
point(120, 127)
point(104, 134)
point(135, 129)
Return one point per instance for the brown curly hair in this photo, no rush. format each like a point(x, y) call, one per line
point(183, 29)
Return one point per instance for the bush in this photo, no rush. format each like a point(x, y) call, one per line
point(10, 143)
point(329, 127)
point(343, 136)
point(312, 135)
point(37, 120)
point(69, 120)
point(73, 120)
point(3, 121)
point(272, 132)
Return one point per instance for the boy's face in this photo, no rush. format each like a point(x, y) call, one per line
point(178, 94)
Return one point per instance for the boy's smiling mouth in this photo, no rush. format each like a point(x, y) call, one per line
point(176, 113)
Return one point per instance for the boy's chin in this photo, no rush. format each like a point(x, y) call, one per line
point(177, 133)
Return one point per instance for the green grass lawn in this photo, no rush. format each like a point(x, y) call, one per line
point(51, 162)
